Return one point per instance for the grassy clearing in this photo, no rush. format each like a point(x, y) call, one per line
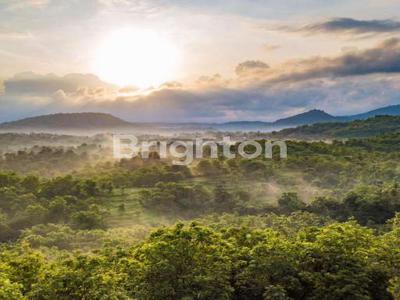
point(132, 212)
point(126, 210)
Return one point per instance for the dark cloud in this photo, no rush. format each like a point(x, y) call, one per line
point(337, 96)
point(251, 67)
point(348, 25)
point(385, 58)
point(214, 105)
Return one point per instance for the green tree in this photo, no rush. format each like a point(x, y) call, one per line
point(290, 202)
point(182, 263)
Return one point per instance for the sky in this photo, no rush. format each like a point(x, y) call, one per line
point(198, 61)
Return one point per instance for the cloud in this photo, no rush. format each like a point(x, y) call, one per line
point(215, 103)
point(128, 89)
point(384, 58)
point(13, 34)
point(271, 47)
point(29, 83)
point(353, 82)
point(337, 96)
point(37, 3)
point(148, 7)
point(22, 4)
point(353, 26)
point(208, 81)
point(356, 81)
point(251, 67)
point(172, 84)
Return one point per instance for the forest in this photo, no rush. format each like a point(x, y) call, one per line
point(322, 223)
point(359, 128)
point(199, 150)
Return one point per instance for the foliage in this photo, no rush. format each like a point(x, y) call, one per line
point(321, 224)
point(334, 261)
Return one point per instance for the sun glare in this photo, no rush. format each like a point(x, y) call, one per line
point(140, 58)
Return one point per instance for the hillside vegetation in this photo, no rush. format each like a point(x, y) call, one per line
point(321, 224)
point(359, 128)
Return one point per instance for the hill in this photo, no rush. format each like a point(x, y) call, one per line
point(101, 121)
point(360, 128)
point(68, 121)
point(392, 110)
point(309, 117)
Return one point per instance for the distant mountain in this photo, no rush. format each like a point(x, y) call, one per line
point(373, 126)
point(102, 121)
point(309, 117)
point(68, 121)
point(392, 110)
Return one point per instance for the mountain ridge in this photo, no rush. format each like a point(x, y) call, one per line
point(98, 120)
point(391, 110)
point(85, 120)
point(361, 128)
point(308, 117)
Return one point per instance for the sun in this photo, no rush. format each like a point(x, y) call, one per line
point(141, 58)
